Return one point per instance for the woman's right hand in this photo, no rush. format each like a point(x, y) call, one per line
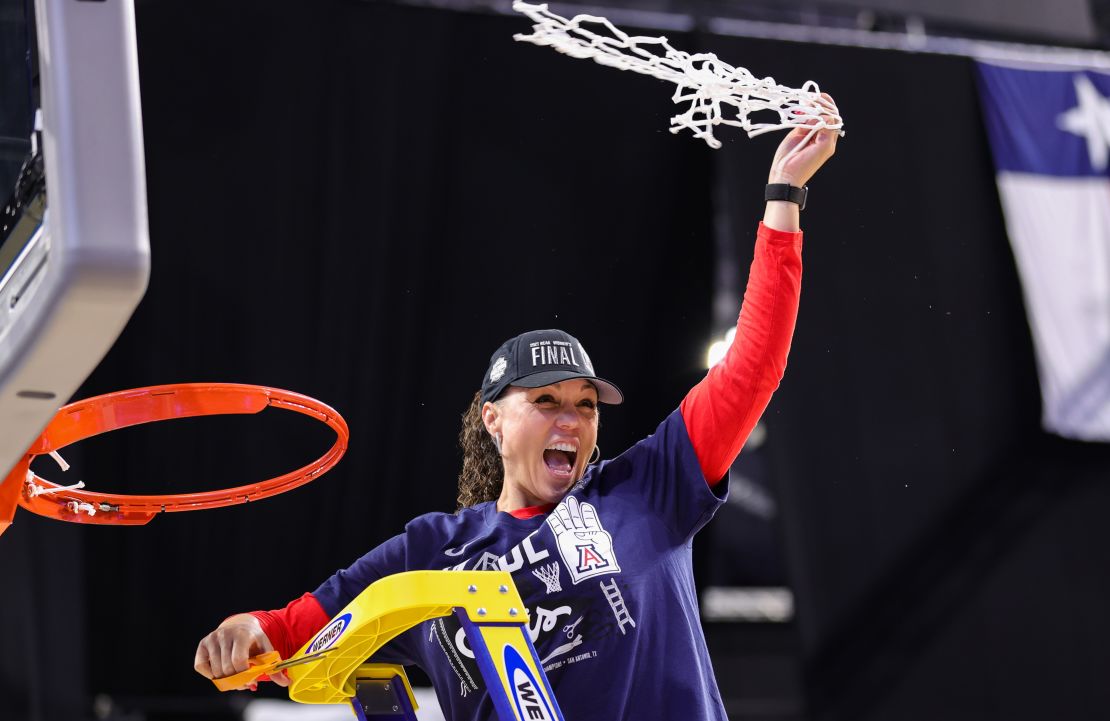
point(225, 651)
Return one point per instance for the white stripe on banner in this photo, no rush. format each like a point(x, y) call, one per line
point(1058, 230)
point(1050, 136)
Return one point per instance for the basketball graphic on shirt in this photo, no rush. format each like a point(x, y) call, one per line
point(585, 546)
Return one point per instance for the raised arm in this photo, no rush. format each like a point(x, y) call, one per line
point(721, 411)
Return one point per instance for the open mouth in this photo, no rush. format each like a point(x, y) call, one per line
point(560, 459)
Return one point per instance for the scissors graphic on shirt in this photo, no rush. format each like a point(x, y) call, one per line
point(569, 628)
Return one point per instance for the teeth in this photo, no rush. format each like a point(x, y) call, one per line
point(570, 448)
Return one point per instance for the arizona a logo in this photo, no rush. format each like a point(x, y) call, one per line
point(589, 559)
point(586, 547)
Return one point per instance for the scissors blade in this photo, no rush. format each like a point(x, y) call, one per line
point(302, 659)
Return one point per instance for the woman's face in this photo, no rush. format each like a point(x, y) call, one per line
point(547, 437)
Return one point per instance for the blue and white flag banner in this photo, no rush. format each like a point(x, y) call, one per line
point(1049, 130)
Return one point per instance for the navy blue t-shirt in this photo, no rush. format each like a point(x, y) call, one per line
point(607, 579)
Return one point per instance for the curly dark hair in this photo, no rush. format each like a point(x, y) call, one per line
point(482, 473)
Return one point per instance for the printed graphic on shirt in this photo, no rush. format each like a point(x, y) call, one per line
point(487, 562)
point(549, 574)
point(546, 621)
point(616, 602)
point(522, 553)
point(573, 641)
point(466, 670)
point(456, 552)
point(516, 558)
point(585, 546)
point(567, 628)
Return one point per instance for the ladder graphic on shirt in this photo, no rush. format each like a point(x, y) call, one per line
point(616, 602)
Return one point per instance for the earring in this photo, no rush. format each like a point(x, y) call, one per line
point(497, 442)
point(595, 456)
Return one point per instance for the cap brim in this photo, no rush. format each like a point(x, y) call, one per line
point(606, 391)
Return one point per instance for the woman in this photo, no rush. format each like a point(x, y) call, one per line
point(600, 552)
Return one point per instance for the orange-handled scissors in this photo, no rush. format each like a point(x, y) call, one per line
point(261, 665)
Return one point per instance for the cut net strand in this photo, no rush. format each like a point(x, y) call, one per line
point(33, 490)
point(717, 93)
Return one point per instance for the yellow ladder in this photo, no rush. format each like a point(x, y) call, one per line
point(332, 668)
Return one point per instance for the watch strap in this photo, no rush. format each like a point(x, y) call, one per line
point(784, 191)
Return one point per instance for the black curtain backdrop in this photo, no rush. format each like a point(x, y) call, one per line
point(16, 114)
point(360, 201)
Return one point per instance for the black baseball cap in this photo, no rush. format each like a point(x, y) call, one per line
point(539, 358)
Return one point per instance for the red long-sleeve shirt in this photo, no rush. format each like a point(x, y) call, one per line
point(719, 412)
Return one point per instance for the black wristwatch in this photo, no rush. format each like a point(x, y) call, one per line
point(783, 191)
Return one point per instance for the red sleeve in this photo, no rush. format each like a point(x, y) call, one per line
point(721, 411)
point(291, 627)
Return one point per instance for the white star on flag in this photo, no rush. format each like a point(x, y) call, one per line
point(1090, 119)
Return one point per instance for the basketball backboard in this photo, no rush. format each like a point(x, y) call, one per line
point(74, 254)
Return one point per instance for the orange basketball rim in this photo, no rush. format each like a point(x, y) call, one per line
point(113, 411)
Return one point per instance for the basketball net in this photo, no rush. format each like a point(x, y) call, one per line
point(717, 93)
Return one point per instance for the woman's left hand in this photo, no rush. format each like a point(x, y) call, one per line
point(800, 167)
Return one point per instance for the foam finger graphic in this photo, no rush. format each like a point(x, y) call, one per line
point(564, 516)
point(589, 517)
point(575, 513)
